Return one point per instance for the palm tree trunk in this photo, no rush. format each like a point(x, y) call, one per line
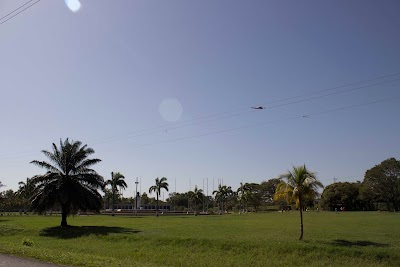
point(301, 219)
point(157, 206)
point(113, 202)
point(63, 217)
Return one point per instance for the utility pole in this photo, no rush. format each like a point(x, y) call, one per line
point(175, 195)
point(203, 194)
point(136, 198)
point(207, 197)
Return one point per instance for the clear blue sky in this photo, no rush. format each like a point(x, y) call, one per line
point(113, 72)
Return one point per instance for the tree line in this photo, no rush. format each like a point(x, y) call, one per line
point(380, 190)
point(70, 184)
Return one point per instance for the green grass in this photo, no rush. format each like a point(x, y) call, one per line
point(268, 239)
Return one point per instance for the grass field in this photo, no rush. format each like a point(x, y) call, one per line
point(268, 239)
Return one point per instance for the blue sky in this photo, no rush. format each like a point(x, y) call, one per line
point(100, 76)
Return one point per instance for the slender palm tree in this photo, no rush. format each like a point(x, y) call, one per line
point(69, 180)
point(160, 184)
point(300, 184)
point(26, 191)
point(117, 180)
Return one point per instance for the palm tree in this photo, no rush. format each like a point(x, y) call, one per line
point(69, 180)
point(222, 194)
point(301, 184)
point(160, 184)
point(117, 180)
point(26, 191)
point(196, 197)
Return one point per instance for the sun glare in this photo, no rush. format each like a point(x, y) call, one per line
point(73, 5)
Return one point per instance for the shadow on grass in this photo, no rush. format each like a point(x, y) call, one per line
point(358, 243)
point(79, 231)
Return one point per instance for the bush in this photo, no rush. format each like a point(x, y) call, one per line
point(27, 242)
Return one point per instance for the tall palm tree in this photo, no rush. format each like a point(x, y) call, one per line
point(300, 184)
point(26, 191)
point(160, 184)
point(117, 180)
point(222, 194)
point(69, 180)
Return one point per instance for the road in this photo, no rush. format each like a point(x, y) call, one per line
point(12, 261)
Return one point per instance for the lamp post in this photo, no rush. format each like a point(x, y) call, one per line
point(136, 196)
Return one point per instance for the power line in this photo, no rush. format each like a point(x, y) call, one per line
point(330, 94)
point(269, 122)
point(164, 127)
point(349, 107)
point(15, 10)
point(146, 132)
point(337, 87)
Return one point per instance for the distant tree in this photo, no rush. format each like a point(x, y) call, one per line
point(222, 194)
point(172, 199)
point(26, 191)
point(232, 200)
point(10, 200)
point(190, 196)
point(300, 183)
point(116, 181)
point(144, 199)
point(195, 197)
point(182, 201)
point(268, 189)
point(250, 194)
point(242, 197)
point(383, 182)
point(198, 196)
point(178, 200)
point(256, 195)
point(69, 181)
point(107, 199)
point(1, 193)
point(160, 184)
point(342, 195)
point(284, 193)
point(367, 197)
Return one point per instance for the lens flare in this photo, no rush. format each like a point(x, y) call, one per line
point(73, 5)
point(171, 109)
